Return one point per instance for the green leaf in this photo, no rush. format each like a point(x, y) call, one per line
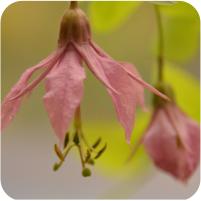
point(186, 88)
point(108, 16)
point(181, 31)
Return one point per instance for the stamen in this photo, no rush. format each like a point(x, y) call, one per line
point(79, 141)
point(65, 153)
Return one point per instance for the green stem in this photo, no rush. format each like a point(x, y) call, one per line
point(160, 56)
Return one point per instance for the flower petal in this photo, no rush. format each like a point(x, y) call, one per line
point(192, 140)
point(139, 89)
point(130, 71)
point(64, 91)
point(145, 84)
point(57, 55)
point(12, 101)
point(177, 154)
point(129, 91)
point(88, 55)
point(160, 143)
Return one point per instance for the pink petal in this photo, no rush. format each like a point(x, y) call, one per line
point(192, 140)
point(139, 90)
point(145, 84)
point(12, 101)
point(88, 55)
point(132, 72)
point(64, 91)
point(130, 93)
point(161, 142)
point(50, 64)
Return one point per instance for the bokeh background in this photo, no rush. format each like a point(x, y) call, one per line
point(128, 32)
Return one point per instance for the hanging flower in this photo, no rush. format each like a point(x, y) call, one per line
point(172, 140)
point(64, 76)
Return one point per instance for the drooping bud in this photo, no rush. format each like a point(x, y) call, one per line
point(74, 26)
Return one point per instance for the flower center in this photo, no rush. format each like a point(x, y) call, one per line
point(88, 154)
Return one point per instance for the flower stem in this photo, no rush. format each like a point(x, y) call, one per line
point(160, 56)
point(78, 126)
point(77, 119)
point(73, 4)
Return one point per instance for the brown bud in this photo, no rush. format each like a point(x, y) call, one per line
point(74, 27)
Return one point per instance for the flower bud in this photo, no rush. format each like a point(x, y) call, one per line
point(74, 27)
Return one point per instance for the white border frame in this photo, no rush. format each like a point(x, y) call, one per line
point(5, 3)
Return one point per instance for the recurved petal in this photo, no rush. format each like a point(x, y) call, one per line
point(90, 57)
point(139, 89)
point(12, 101)
point(64, 91)
point(116, 80)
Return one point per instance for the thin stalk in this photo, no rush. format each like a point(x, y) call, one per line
point(77, 119)
point(78, 126)
point(65, 153)
point(73, 4)
point(160, 56)
point(81, 156)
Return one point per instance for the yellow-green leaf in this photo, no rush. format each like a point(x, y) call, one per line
point(108, 16)
point(181, 31)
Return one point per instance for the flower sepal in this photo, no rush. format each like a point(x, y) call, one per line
point(74, 26)
point(165, 89)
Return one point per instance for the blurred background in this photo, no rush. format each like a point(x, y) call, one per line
point(128, 32)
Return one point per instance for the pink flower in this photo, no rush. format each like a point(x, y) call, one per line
point(172, 140)
point(64, 76)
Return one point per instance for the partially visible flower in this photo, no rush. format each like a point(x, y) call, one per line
point(172, 140)
point(64, 76)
